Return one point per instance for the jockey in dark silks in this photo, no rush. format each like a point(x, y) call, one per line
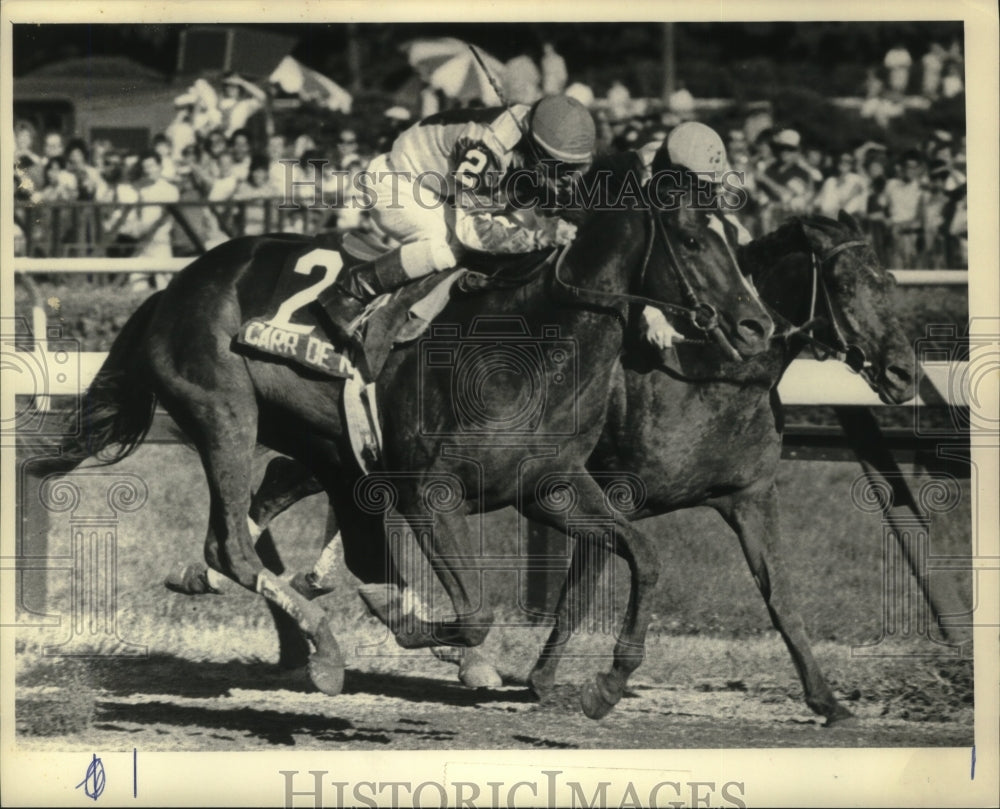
point(443, 186)
point(696, 151)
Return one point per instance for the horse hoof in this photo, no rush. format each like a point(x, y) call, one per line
point(448, 654)
point(477, 672)
point(841, 717)
point(541, 687)
point(327, 674)
point(189, 580)
point(326, 664)
point(595, 700)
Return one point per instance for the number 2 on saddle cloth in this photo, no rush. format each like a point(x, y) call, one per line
point(290, 331)
point(294, 329)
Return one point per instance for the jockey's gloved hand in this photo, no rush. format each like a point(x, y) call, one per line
point(656, 329)
point(553, 231)
point(565, 232)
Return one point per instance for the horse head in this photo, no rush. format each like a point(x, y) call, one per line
point(850, 311)
point(696, 258)
point(677, 257)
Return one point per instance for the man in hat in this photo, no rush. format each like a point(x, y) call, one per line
point(240, 99)
point(439, 190)
point(786, 181)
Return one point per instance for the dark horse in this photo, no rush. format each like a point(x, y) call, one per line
point(177, 348)
point(713, 437)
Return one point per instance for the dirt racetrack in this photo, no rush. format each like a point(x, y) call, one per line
point(720, 694)
point(715, 675)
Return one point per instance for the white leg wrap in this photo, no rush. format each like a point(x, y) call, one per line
point(255, 530)
point(426, 256)
point(414, 605)
point(327, 561)
point(215, 579)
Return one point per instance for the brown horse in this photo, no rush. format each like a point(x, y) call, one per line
point(177, 349)
point(712, 437)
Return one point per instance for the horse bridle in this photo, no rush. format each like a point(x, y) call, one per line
point(702, 315)
point(851, 354)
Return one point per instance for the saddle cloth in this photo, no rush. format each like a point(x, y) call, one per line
point(294, 328)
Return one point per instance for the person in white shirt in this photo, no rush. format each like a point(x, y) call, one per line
point(223, 188)
point(239, 101)
point(150, 225)
point(163, 147)
point(845, 190)
point(904, 203)
point(251, 215)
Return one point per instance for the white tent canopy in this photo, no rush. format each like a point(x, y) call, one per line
point(295, 78)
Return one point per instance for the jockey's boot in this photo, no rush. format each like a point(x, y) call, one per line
point(345, 300)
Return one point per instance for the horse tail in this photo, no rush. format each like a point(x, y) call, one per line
point(117, 409)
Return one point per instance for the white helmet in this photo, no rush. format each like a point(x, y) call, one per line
point(697, 148)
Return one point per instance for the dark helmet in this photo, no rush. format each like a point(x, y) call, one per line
point(562, 127)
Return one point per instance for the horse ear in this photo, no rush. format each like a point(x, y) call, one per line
point(818, 238)
point(848, 221)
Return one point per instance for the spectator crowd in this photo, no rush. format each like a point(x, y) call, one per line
point(912, 203)
point(223, 176)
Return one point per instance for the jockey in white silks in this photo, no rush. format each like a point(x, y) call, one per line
point(441, 186)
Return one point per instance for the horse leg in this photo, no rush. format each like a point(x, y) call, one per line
point(227, 437)
point(604, 692)
point(578, 591)
point(285, 483)
point(753, 515)
point(444, 540)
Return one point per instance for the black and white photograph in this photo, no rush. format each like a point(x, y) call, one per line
point(454, 405)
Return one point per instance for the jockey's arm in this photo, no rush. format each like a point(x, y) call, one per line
point(484, 218)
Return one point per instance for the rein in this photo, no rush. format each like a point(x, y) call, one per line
point(703, 315)
point(851, 354)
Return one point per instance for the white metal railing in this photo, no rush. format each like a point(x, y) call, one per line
point(807, 382)
point(98, 264)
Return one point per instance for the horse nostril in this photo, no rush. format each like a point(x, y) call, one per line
point(898, 375)
point(753, 331)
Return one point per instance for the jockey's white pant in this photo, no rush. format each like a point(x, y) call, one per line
point(415, 217)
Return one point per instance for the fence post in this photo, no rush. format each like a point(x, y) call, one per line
point(865, 438)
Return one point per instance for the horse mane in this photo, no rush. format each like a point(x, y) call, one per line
point(761, 255)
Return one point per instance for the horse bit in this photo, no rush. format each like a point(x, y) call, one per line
point(703, 315)
point(851, 354)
